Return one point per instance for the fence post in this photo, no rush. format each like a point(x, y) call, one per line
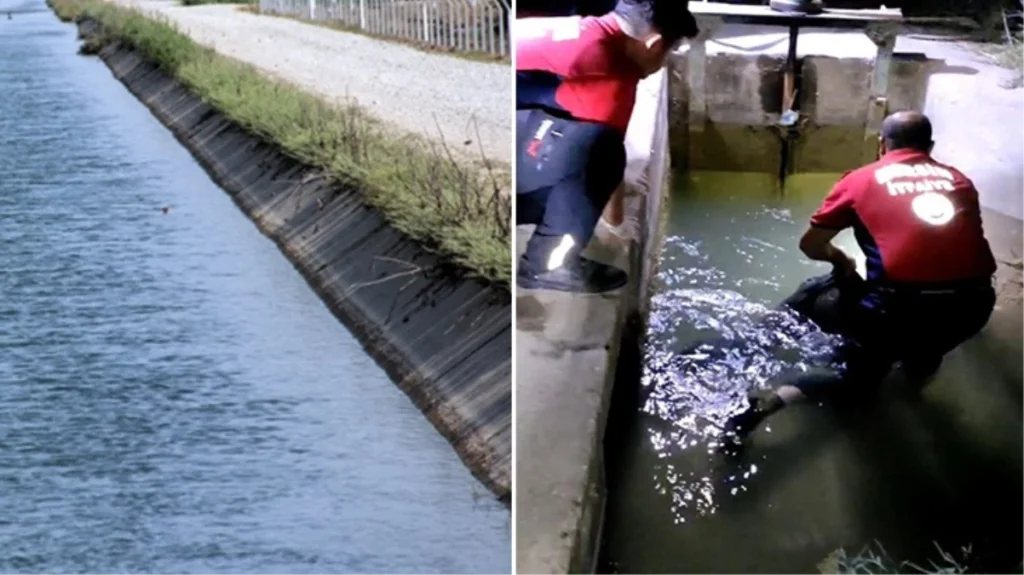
point(426, 25)
point(362, 14)
point(312, 9)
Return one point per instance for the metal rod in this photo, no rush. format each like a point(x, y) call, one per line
point(788, 133)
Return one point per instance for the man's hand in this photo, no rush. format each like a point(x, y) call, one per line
point(843, 265)
point(816, 244)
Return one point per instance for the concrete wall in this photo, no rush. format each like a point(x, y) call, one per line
point(445, 340)
point(743, 95)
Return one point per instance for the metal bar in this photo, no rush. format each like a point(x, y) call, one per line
point(884, 38)
point(830, 18)
point(696, 72)
point(788, 133)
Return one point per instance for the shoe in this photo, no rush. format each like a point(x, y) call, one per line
point(576, 275)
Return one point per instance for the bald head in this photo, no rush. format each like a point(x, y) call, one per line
point(907, 130)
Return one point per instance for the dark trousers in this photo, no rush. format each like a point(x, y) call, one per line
point(566, 171)
point(916, 327)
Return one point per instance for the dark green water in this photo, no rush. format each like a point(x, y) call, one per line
point(905, 474)
point(173, 396)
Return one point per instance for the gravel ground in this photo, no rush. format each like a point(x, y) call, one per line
point(411, 89)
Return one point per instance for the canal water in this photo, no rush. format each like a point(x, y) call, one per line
point(173, 396)
point(898, 476)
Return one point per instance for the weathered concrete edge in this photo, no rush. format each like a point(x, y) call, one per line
point(449, 344)
point(646, 178)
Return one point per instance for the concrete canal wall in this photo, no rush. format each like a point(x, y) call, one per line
point(444, 339)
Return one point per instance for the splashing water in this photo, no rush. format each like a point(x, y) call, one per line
point(691, 391)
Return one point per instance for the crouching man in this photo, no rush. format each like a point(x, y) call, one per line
point(928, 286)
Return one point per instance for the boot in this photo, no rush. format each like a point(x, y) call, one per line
point(576, 274)
point(796, 6)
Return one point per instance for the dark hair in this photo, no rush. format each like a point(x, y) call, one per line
point(670, 18)
point(907, 130)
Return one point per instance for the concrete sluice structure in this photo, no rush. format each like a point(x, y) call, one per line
point(716, 116)
point(732, 101)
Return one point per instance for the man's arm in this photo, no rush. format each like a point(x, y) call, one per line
point(816, 244)
point(835, 214)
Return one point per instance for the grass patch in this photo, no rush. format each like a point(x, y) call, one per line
point(1008, 54)
point(451, 206)
point(1003, 41)
point(875, 561)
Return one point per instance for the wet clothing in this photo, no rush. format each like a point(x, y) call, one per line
point(883, 326)
point(575, 68)
point(879, 327)
point(918, 222)
point(566, 173)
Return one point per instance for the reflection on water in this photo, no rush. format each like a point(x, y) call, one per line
point(812, 479)
point(709, 344)
point(742, 344)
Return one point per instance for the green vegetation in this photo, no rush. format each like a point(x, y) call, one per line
point(878, 562)
point(455, 207)
point(1010, 55)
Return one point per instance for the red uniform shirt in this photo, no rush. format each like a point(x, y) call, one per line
point(917, 221)
point(575, 66)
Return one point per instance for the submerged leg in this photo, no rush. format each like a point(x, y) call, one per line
point(856, 381)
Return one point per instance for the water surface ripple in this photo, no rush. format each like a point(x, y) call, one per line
point(173, 396)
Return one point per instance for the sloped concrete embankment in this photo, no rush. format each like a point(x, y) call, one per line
point(444, 340)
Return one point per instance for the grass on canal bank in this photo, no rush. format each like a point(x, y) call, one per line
point(1008, 54)
point(875, 560)
point(450, 205)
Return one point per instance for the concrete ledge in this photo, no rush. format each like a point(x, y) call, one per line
point(445, 340)
point(567, 348)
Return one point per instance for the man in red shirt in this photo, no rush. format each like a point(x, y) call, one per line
point(928, 286)
point(576, 80)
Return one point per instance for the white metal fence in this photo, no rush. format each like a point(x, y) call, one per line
point(479, 26)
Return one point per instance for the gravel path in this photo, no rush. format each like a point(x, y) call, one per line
point(406, 87)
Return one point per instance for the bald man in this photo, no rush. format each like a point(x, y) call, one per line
point(928, 286)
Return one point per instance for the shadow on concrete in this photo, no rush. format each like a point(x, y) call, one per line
point(752, 49)
point(936, 66)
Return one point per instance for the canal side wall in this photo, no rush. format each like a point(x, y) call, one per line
point(444, 339)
